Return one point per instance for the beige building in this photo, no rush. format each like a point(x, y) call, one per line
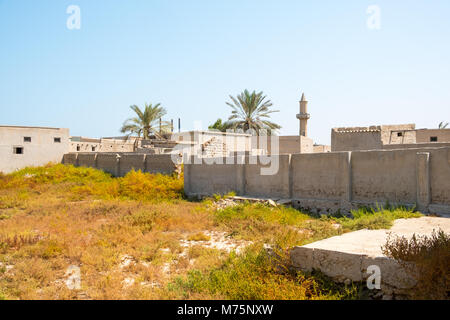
point(387, 137)
point(31, 146)
point(83, 144)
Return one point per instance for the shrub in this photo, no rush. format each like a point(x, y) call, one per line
point(18, 240)
point(53, 174)
point(252, 276)
point(137, 185)
point(200, 236)
point(375, 219)
point(427, 260)
point(142, 219)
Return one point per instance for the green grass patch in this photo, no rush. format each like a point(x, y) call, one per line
point(252, 276)
point(261, 212)
point(375, 219)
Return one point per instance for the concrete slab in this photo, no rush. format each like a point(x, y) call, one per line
point(369, 242)
point(347, 257)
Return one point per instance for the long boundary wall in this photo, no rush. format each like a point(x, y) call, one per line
point(119, 164)
point(334, 181)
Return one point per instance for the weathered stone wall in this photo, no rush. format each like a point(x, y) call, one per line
point(402, 137)
point(386, 130)
point(321, 148)
point(119, 164)
point(424, 135)
point(355, 139)
point(88, 145)
point(337, 180)
point(128, 162)
point(439, 176)
point(108, 162)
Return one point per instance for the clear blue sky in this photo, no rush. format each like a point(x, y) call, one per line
point(190, 55)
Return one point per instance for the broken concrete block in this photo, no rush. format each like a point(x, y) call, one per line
point(338, 265)
point(392, 274)
point(302, 258)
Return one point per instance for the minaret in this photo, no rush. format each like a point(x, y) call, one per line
point(303, 116)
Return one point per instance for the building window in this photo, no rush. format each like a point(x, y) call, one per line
point(399, 134)
point(78, 148)
point(26, 139)
point(18, 150)
point(433, 139)
point(57, 140)
point(93, 148)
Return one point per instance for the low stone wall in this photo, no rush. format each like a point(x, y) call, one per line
point(119, 164)
point(334, 181)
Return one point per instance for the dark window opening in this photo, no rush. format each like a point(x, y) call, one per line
point(57, 140)
point(18, 150)
point(26, 139)
point(433, 139)
point(93, 148)
point(399, 134)
point(78, 148)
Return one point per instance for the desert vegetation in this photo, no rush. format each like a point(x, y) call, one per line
point(138, 237)
point(426, 260)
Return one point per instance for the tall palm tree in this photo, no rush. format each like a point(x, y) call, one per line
point(443, 125)
point(251, 111)
point(147, 121)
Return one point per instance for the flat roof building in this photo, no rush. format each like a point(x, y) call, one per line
point(31, 146)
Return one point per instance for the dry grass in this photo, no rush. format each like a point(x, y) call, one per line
point(126, 235)
point(425, 259)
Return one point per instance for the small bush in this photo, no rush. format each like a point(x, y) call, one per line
point(253, 277)
point(200, 236)
point(375, 219)
point(142, 219)
point(137, 185)
point(18, 240)
point(427, 260)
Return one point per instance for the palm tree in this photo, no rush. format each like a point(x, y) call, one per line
point(251, 111)
point(147, 121)
point(443, 125)
point(218, 125)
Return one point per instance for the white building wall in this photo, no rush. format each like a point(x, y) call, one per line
point(41, 150)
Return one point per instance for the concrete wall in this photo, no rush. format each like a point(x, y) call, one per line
point(416, 145)
point(41, 150)
point(384, 176)
point(353, 140)
point(119, 164)
point(258, 185)
point(320, 176)
point(200, 179)
point(337, 180)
